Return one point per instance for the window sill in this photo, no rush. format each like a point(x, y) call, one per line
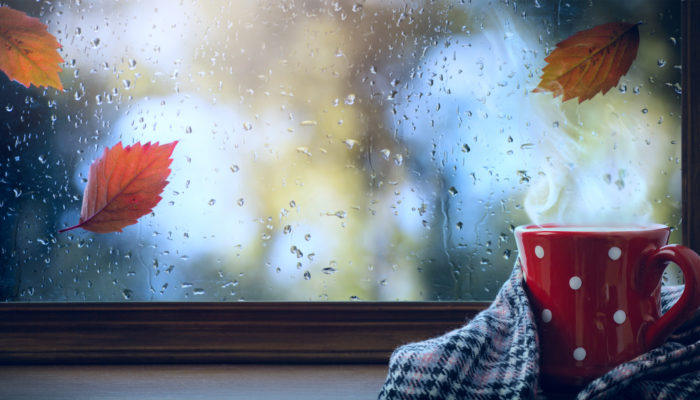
point(308, 382)
point(301, 332)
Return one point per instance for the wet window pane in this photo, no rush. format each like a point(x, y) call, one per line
point(328, 150)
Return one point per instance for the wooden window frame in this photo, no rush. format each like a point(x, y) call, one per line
point(332, 332)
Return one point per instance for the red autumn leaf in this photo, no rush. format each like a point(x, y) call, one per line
point(590, 61)
point(124, 185)
point(28, 51)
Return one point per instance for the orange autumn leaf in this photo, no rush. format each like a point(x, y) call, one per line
point(124, 185)
point(590, 61)
point(28, 51)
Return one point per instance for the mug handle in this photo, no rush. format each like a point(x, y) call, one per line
point(689, 262)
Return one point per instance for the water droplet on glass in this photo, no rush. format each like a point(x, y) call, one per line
point(386, 153)
point(357, 7)
point(452, 191)
point(127, 84)
point(645, 110)
point(292, 204)
point(198, 291)
point(340, 214)
point(132, 63)
point(636, 90)
point(234, 168)
point(398, 159)
point(350, 143)
point(95, 43)
point(623, 88)
point(307, 237)
point(188, 130)
point(308, 123)
point(127, 293)
point(240, 202)
point(350, 99)
point(287, 229)
point(42, 159)
point(247, 126)
point(98, 99)
point(661, 62)
point(307, 275)
point(304, 150)
point(9, 108)
point(212, 202)
point(460, 224)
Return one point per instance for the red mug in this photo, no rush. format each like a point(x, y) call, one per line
point(595, 293)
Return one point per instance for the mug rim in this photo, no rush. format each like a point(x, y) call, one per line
point(589, 229)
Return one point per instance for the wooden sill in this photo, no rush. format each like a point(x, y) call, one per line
point(294, 382)
point(299, 332)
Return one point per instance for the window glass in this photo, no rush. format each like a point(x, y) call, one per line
point(328, 150)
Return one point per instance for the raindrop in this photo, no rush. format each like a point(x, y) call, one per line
point(350, 99)
point(98, 99)
point(386, 153)
point(383, 282)
point(188, 130)
point(308, 123)
point(460, 224)
point(127, 84)
point(212, 202)
point(350, 143)
point(661, 62)
point(636, 90)
point(198, 291)
point(127, 293)
point(623, 88)
point(304, 150)
point(307, 275)
point(357, 7)
point(247, 126)
point(132, 63)
point(398, 159)
point(42, 159)
point(287, 229)
point(9, 108)
point(240, 202)
point(340, 214)
point(186, 285)
point(645, 110)
point(452, 191)
point(95, 43)
point(234, 168)
point(307, 237)
point(292, 204)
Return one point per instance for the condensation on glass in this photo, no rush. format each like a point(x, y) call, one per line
point(328, 150)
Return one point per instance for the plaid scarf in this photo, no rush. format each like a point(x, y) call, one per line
point(496, 356)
